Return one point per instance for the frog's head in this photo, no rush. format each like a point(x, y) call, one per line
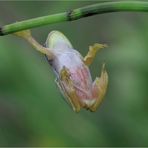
point(57, 40)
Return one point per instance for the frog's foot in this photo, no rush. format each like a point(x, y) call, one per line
point(26, 34)
point(88, 59)
point(99, 88)
point(68, 90)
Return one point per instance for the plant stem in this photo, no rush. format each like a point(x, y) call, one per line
point(99, 8)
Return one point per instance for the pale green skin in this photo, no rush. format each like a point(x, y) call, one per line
point(73, 75)
point(65, 60)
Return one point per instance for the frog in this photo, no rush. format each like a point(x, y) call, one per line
point(72, 71)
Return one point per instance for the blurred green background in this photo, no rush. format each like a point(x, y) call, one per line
point(32, 110)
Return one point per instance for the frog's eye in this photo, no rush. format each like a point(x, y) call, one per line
point(55, 39)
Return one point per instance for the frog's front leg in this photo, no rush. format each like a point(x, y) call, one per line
point(88, 59)
point(68, 90)
point(26, 34)
point(99, 88)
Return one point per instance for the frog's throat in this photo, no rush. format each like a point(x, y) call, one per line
point(56, 38)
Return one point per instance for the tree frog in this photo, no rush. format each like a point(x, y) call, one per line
point(72, 70)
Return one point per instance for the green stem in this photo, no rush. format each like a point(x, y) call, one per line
point(99, 8)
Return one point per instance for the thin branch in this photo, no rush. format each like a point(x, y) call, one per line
point(99, 8)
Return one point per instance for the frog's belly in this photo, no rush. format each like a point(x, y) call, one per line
point(69, 60)
point(79, 72)
point(82, 81)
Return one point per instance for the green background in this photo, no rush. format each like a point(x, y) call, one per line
point(32, 110)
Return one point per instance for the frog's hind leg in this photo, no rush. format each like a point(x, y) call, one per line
point(68, 90)
point(99, 88)
point(88, 59)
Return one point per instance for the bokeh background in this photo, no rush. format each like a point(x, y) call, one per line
point(32, 110)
